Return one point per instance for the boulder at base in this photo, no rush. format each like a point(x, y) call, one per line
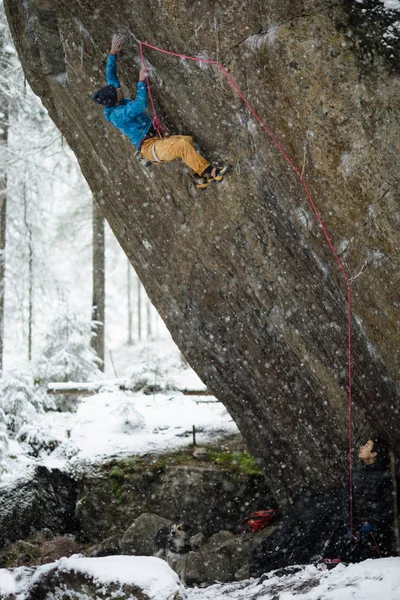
point(122, 577)
point(139, 537)
point(43, 498)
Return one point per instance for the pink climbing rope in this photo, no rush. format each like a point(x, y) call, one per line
point(158, 126)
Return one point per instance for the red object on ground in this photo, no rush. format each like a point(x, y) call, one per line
point(257, 521)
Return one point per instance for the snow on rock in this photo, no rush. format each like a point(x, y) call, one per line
point(152, 576)
point(7, 583)
point(74, 385)
point(368, 580)
point(391, 4)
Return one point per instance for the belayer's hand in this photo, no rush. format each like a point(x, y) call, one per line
point(116, 44)
point(366, 528)
point(143, 74)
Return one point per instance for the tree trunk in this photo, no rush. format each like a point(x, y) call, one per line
point(130, 311)
point(148, 319)
point(3, 222)
point(139, 308)
point(4, 127)
point(98, 304)
point(30, 271)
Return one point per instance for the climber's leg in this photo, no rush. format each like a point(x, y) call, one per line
point(175, 146)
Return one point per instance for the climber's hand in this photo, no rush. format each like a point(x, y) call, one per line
point(143, 74)
point(116, 44)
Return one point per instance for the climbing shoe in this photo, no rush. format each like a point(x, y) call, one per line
point(204, 181)
point(220, 173)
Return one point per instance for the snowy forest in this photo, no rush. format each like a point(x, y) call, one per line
point(199, 364)
point(48, 320)
point(44, 288)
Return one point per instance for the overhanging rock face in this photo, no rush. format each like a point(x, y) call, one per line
point(242, 274)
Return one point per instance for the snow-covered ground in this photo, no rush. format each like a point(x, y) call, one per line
point(116, 423)
point(110, 424)
point(369, 580)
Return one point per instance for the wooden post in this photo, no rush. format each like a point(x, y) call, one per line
point(194, 435)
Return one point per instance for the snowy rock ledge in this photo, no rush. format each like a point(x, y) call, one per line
point(368, 580)
point(142, 578)
point(122, 577)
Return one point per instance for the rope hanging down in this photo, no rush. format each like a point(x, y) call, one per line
point(159, 127)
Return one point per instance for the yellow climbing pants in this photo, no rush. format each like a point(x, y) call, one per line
point(176, 146)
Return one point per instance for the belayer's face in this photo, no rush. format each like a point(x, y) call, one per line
point(367, 454)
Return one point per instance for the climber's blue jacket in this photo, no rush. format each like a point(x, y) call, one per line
point(129, 116)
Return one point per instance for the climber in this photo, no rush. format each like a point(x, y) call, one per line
point(130, 117)
point(372, 508)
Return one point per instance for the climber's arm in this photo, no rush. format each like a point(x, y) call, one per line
point(139, 105)
point(111, 69)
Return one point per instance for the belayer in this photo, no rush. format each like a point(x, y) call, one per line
point(318, 528)
point(370, 527)
point(130, 117)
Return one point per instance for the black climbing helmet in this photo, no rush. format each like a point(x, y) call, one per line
point(106, 96)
